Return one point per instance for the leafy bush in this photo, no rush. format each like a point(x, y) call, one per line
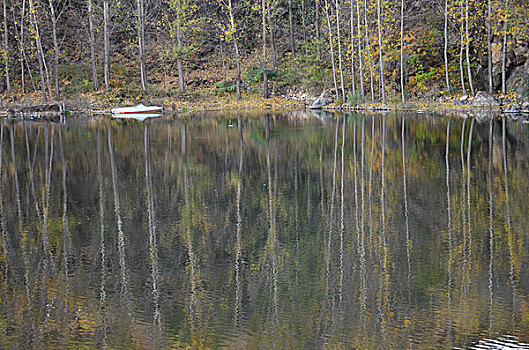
point(228, 87)
point(354, 98)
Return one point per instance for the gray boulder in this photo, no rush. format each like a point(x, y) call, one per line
point(483, 99)
point(323, 100)
point(525, 107)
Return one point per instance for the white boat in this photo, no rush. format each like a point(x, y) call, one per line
point(138, 109)
point(138, 116)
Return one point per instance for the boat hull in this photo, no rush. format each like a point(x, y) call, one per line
point(138, 109)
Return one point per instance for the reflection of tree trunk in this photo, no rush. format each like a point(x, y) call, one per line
point(463, 206)
point(342, 225)
point(362, 255)
point(187, 218)
point(449, 230)
point(510, 238)
point(124, 274)
point(383, 304)
point(370, 185)
point(491, 222)
point(272, 231)
point(46, 199)
point(406, 216)
point(102, 321)
point(153, 245)
point(238, 249)
point(65, 236)
point(31, 167)
point(469, 265)
point(3, 225)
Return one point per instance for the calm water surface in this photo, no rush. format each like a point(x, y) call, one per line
point(264, 232)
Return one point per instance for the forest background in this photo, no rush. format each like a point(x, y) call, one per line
point(359, 50)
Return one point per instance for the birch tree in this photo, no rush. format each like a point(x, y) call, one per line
point(141, 42)
point(489, 49)
point(291, 29)
point(467, 48)
point(402, 51)
point(445, 48)
point(265, 75)
point(92, 45)
point(360, 54)
point(54, 18)
point(106, 33)
point(331, 45)
point(6, 51)
point(504, 47)
point(44, 80)
point(337, 13)
point(381, 60)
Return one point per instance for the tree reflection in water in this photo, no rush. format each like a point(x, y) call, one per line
point(363, 232)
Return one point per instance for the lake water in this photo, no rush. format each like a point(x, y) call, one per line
point(264, 231)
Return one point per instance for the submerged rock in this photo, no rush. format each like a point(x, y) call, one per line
point(483, 99)
point(323, 100)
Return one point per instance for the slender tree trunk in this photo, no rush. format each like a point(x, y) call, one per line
point(233, 29)
point(331, 46)
point(21, 43)
point(462, 40)
point(381, 60)
point(317, 26)
point(223, 64)
point(106, 30)
point(265, 75)
point(6, 51)
point(179, 42)
point(360, 53)
point(337, 9)
point(291, 28)
point(467, 49)
point(23, 58)
point(55, 49)
point(368, 46)
point(40, 55)
point(352, 30)
point(504, 49)
point(141, 43)
point(402, 51)
point(445, 51)
point(304, 31)
point(272, 29)
point(92, 45)
point(489, 46)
